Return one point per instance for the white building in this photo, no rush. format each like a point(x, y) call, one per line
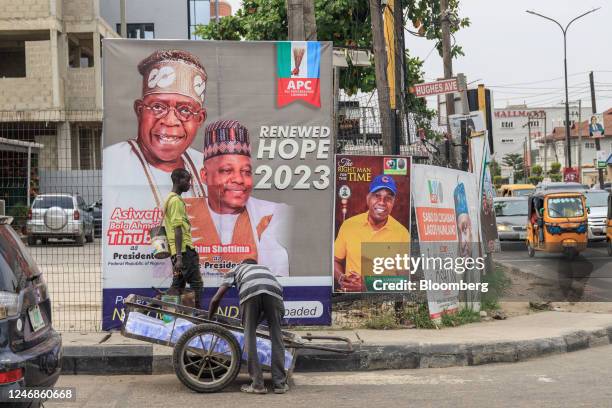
point(554, 147)
point(163, 19)
point(512, 127)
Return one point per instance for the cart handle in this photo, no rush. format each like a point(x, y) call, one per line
point(348, 350)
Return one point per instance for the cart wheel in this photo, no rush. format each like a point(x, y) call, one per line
point(207, 358)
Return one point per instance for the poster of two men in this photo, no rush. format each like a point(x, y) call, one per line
point(251, 124)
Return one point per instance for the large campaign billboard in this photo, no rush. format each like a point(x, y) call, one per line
point(251, 122)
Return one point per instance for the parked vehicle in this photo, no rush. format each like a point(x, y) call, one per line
point(597, 204)
point(30, 350)
point(561, 186)
point(516, 190)
point(609, 226)
point(59, 216)
point(96, 212)
point(557, 223)
point(511, 213)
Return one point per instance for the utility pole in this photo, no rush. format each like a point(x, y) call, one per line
point(448, 73)
point(528, 172)
point(524, 160)
point(382, 83)
point(545, 146)
point(217, 11)
point(580, 140)
point(597, 143)
point(400, 88)
point(123, 23)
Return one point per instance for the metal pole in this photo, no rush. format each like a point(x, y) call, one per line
point(123, 23)
point(579, 140)
point(545, 146)
point(217, 11)
point(568, 158)
point(29, 173)
point(597, 141)
point(529, 147)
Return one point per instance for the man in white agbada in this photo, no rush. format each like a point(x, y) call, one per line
point(169, 115)
point(136, 172)
point(230, 225)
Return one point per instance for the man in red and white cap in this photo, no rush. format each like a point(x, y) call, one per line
point(169, 114)
point(231, 225)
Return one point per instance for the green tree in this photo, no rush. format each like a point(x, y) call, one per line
point(515, 161)
point(536, 174)
point(555, 172)
point(347, 24)
point(495, 168)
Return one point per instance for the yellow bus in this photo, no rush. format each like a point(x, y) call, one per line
point(516, 190)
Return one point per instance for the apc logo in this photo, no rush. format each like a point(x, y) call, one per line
point(436, 195)
point(298, 66)
point(300, 85)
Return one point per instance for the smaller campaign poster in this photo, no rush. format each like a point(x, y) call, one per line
point(446, 208)
point(372, 224)
point(596, 126)
point(480, 160)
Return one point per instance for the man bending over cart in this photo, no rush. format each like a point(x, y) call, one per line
point(261, 296)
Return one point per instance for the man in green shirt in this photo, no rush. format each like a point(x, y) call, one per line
point(185, 262)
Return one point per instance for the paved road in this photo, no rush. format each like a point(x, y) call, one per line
point(570, 380)
point(593, 268)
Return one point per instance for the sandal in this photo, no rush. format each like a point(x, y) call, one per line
point(249, 389)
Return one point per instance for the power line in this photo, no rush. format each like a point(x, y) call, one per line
point(536, 87)
point(544, 80)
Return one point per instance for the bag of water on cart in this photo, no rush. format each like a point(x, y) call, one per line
point(153, 328)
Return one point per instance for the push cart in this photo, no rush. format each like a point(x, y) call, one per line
point(208, 353)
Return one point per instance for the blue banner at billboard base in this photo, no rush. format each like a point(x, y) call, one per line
point(300, 308)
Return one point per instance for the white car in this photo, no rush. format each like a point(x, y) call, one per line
point(59, 216)
point(597, 203)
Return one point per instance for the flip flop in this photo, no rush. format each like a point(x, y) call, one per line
point(249, 389)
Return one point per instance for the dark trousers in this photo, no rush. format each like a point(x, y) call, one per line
point(254, 310)
point(190, 273)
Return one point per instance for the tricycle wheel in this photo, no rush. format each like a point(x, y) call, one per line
point(530, 250)
point(207, 358)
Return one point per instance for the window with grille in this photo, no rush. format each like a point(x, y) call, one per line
point(143, 31)
point(86, 152)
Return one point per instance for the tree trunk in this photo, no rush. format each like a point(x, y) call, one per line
point(295, 20)
point(310, 22)
point(382, 83)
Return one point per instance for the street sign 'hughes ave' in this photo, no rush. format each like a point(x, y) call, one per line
point(435, 88)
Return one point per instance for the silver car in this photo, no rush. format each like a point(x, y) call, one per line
point(59, 216)
point(597, 203)
point(511, 215)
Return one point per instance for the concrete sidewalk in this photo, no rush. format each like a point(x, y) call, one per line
point(511, 340)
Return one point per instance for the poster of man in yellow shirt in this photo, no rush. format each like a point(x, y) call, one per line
point(372, 221)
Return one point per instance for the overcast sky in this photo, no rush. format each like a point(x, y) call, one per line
point(520, 56)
